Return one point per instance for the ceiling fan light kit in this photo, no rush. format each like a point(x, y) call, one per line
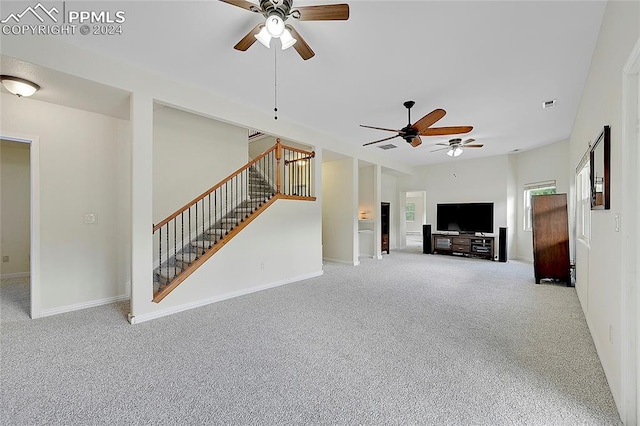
point(274, 28)
point(454, 152)
point(455, 145)
point(276, 13)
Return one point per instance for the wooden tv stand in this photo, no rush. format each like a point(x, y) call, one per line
point(466, 245)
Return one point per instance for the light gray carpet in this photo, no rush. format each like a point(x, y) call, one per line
point(409, 339)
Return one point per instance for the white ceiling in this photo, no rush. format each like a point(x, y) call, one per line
point(488, 64)
point(64, 89)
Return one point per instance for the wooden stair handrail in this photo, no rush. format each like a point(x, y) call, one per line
point(301, 151)
point(277, 147)
point(213, 188)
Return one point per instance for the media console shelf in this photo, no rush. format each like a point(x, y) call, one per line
point(467, 245)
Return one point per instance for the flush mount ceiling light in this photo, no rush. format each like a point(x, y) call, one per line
point(19, 86)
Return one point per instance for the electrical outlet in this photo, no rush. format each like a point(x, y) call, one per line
point(610, 334)
point(5, 259)
point(90, 218)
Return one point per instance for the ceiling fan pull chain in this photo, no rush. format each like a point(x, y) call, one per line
point(275, 84)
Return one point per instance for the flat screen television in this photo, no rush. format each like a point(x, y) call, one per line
point(467, 218)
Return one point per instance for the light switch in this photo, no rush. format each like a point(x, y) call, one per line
point(90, 218)
point(617, 222)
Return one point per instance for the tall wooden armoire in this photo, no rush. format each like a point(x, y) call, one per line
point(550, 225)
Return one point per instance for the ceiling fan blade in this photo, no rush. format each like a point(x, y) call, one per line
point(468, 141)
point(479, 145)
point(381, 140)
point(248, 40)
point(243, 4)
point(441, 131)
point(443, 144)
point(381, 128)
point(428, 120)
point(327, 12)
point(416, 141)
point(440, 149)
point(301, 46)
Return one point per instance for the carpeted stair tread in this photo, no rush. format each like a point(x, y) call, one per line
point(202, 243)
point(169, 273)
point(187, 257)
point(258, 192)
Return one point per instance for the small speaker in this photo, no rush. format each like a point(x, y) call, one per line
point(502, 245)
point(426, 239)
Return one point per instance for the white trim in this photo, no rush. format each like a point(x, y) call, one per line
point(540, 185)
point(137, 319)
point(84, 305)
point(342, 262)
point(630, 225)
point(34, 169)
point(15, 275)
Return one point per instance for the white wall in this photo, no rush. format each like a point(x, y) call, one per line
point(83, 166)
point(15, 205)
point(280, 246)
point(191, 153)
point(340, 211)
point(598, 262)
point(542, 164)
point(478, 180)
point(365, 192)
point(366, 187)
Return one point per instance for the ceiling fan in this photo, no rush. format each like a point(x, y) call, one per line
point(455, 146)
point(411, 132)
point(276, 12)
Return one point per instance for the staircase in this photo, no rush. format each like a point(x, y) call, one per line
point(194, 233)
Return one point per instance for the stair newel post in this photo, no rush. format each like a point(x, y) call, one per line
point(278, 169)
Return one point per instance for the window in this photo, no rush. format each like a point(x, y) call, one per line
point(583, 203)
point(531, 189)
point(410, 211)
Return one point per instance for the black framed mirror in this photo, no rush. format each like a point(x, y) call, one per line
point(600, 164)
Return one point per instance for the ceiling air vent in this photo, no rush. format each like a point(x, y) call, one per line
point(548, 104)
point(387, 146)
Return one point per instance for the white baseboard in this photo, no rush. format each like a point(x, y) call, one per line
point(137, 319)
point(343, 262)
point(16, 275)
point(79, 306)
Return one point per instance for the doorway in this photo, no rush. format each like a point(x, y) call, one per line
point(415, 216)
point(20, 223)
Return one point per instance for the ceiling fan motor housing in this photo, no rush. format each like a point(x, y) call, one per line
point(282, 8)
